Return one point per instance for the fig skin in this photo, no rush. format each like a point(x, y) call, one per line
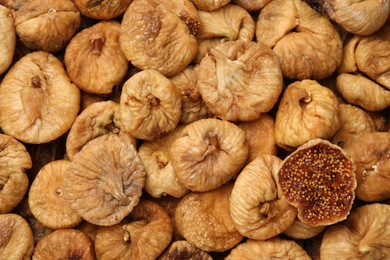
point(7, 38)
point(102, 10)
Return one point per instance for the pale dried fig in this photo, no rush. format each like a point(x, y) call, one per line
point(16, 237)
point(14, 161)
point(306, 43)
point(319, 179)
point(252, 5)
point(301, 230)
point(144, 234)
point(64, 244)
point(209, 5)
point(258, 207)
point(104, 181)
point(365, 235)
point(159, 35)
point(47, 25)
point(7, 38)
point(203, 219)
point(150, 105)
point(94, 60)
point(208, 154)
point(240, 80)
point(46, 198)
point(102, 10)
point(274, 248)
point(38, 102)
point(306, 111)
point(182, 250)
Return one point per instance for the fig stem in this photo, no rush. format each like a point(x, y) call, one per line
point(36, 82)
point(126, 235)
point(153, 100)
point(213, 139)
point(97, 46)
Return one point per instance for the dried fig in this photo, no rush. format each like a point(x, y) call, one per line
point(46, 198)
point(301, 230)
point(252, 5)
point(47, 25)
point(16, 237)
point(208, 154)
point(365, 235)
point(306, 43)
point(371, 154)
point(102, 10)
point(209, 5)
point(150, 105)
point(203, 219)
point(319, 179)
point(94, 60)
point(144, 234)
point(38, 102)
point(159, 35)
point(240, 80)
point(307, 110)
point(182, 250)
point(160, 178)
point(14, 161)
point(104, 181)
point(7, 38)
point(64, 244)
point(257, 206)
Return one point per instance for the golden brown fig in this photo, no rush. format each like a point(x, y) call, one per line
point(208, 154)
point(64, 244)
point(144, 234)
point(251, 5)
point(7, 38)
point(182, 250)
point(160, 179)
point(319, 180)
point(102, 10)
point(105, 179)
point(301, 230)
point(306, 111)
point(203, 219)
point(209, 5)
point(274, 248)
point(365, 235)
point(14, 161)
point(46, 198)
point(306, 43)
point(16, 237)
point(38, 102)
point(150, 106)
point(159, 35)
point(371, 154)
point(94, 60)
point(47, 25)
point(258, 207)
point(240, 80)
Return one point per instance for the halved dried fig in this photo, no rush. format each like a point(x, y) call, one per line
point(240, 80)
point(16, 237)
point(64, 244)
point(182, 250)
point(306, 111)
point(101, 9)
point(365, 235)
point(159, 35)
point(319, 180)
point(252, 5)
point(7, 38)
point(258, 207)
point(301, 230)
point(306, 43)
point(209, 153)
point(209, 5)
point(38, 102)
point(203, 219)
point(14, 161)
point(144, 234)
point(47, 25)
point(46, 198)
point(104, 181)
point(94, 60)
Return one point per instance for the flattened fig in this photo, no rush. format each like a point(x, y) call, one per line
point(7, 38)
point(101, 9)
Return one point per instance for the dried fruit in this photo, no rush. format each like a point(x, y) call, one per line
point(306, 111)
point(46, 198)
point(180, 250)
point(144, 234)
point(301, 230)
point(14, 161)
point(209, 153)
point(105, 179)
point(319, 180)
point(365, 235)
point(252, 5)
point(203, 219)
point(38, 102)
point(102, 10)
point(64, 244)
point(210, 5)
point(7, 38)
point(240, 80)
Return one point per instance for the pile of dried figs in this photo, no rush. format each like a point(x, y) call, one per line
point(195, 129)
